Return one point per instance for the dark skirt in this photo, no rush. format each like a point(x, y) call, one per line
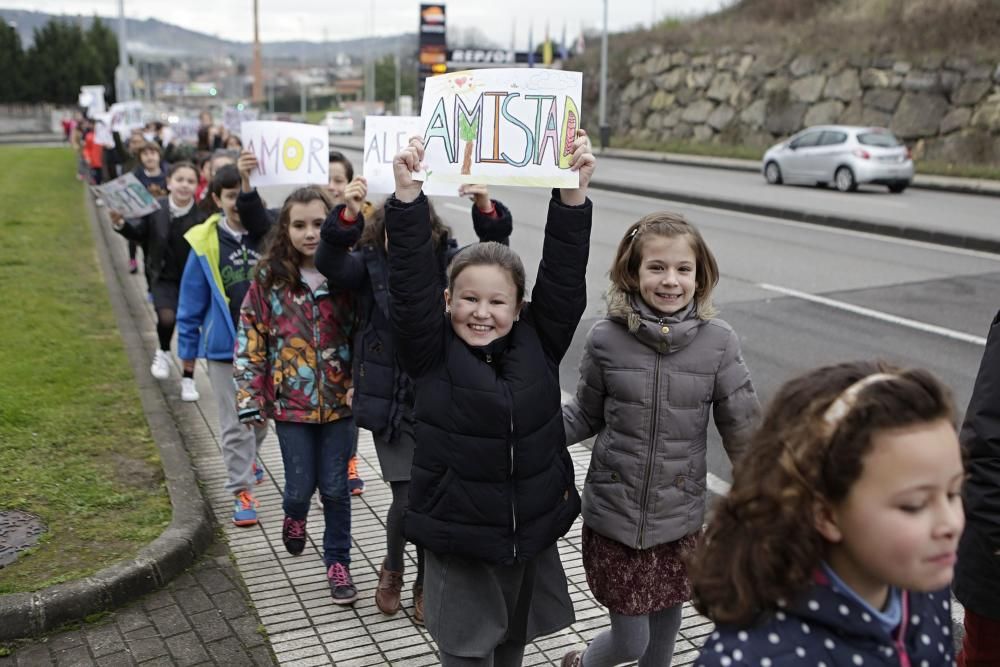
point(395, 457)
point(472, 606)
point(166, 294)
point(636, 582)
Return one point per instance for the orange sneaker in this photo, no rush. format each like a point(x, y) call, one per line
point(355, 484)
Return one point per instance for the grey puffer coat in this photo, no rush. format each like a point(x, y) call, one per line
point(646, 384)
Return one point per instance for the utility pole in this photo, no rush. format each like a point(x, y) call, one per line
point(258, 69)
point(603, 104)
point(398, 81)
point(123, 83)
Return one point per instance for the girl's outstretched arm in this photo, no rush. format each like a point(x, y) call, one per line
point(344, 268)
point(490, 218)
point(559, 297)
point(418, 320)
point(251, 363)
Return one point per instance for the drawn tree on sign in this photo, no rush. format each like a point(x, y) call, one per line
point(468, 132)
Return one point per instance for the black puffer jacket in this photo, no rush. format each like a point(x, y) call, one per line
point(381, 388)
point(977, 574)
point(154, 231)
point(491, 477)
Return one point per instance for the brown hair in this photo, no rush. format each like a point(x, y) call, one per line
point(489, 253)
point(279, 266)
point(150, 146)
point(624, 272)
point(761, 547)
point(374, 232)
point(177, 166)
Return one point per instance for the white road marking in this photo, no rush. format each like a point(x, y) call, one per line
point(715, 484)
point(456, 207)
point(829, 230)
point(876, 314)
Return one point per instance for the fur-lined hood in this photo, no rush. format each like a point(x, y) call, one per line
point(664, 333)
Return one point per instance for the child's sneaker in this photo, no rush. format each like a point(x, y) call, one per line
point(354, 483)
point(189, 392)
point(341, 586)
point(160, 368)
point(245, 509)
point(293, 534)
point(133, 266)
point(258, 471)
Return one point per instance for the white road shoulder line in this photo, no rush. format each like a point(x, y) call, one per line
point(715, 484)
point(876, 314)
point(456, 207)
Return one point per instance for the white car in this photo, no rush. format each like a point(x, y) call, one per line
point(339, 122)
point(843, 155)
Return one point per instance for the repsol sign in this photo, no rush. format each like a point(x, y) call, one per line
point(495, 56)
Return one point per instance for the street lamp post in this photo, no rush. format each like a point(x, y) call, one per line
point(123, 85)
point(603, 105)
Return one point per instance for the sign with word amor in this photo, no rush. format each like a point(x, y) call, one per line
point(287, 153)
point(127, 196)
point(384, 137)
point(502, 127)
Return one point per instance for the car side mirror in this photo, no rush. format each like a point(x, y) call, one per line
point(792, 147)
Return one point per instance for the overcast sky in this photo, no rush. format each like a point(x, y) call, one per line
point(339, 19)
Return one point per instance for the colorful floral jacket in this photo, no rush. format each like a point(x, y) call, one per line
point(293, 353)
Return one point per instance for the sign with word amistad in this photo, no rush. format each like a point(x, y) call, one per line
point(384, 137)
point(127, 196)
point(287, 153)
point(502, 127)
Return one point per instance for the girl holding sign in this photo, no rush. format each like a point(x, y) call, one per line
point(383, 398)
point(163, 233)
point(293, 365)
point(492, 483)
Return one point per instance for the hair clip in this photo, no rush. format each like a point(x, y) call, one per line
point(633, 232)
point(843, 404)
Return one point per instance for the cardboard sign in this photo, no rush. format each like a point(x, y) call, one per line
point(125, 116)
point(92, 98)
point(287, 153)
point(384, 137)
point(502, 127)
point(185, 130)
point(102, 130)
point(233, 118)
point(127, 196)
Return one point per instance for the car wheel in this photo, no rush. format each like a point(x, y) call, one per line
point(843, 178)
point(772, 172)
point(896, 188)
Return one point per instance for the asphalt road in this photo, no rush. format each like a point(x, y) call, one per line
point(908, 302)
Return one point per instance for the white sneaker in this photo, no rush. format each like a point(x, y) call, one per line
point(189, 392)
point(160, 368)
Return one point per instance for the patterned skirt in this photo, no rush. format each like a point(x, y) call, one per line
point(635, 582)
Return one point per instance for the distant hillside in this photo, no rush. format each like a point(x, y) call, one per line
point(155, 39)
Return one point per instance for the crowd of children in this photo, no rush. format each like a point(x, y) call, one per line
point(836, 544)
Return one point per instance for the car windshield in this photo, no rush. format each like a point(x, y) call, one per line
point(885, 139)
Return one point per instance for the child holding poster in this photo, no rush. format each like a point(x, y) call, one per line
point(152, 173)
point(383, 396)
point(163, 232)
point(492, 483)
point(293, 365)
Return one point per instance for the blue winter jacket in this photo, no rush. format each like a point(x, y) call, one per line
point(826, 627)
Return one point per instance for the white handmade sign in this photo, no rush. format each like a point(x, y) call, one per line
point(502, 127)
point(102, 130)
point(287, 153)
point(234, 117)
point(127, 196)
point(384, 137)
point(125, 116)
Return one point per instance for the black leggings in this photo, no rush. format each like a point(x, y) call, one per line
point(394, 539)
point(166, 320)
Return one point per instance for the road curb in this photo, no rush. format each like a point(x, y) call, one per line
point(827, 220)
point(190, 531)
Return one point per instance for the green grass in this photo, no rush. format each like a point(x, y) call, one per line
point(75, 447)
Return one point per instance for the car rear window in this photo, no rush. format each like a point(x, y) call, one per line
point(878, 139)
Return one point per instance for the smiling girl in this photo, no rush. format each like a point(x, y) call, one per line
point(837, 541)
point(162, 234)
point(293, 365)
point(649, 375)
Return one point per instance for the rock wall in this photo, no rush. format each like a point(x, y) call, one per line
point(946, 109)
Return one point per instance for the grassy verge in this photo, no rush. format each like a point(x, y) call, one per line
point(749, 153)
point(75, 448)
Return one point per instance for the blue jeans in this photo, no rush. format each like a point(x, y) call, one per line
point(316, 455)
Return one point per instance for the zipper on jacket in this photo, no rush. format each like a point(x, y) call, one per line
point(650, 453)
point(510, 448)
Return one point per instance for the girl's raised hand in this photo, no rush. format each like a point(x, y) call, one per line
point(354, 196)
point(404, 164)
point(245, 164)
point(583, 161)
point(479, 194)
